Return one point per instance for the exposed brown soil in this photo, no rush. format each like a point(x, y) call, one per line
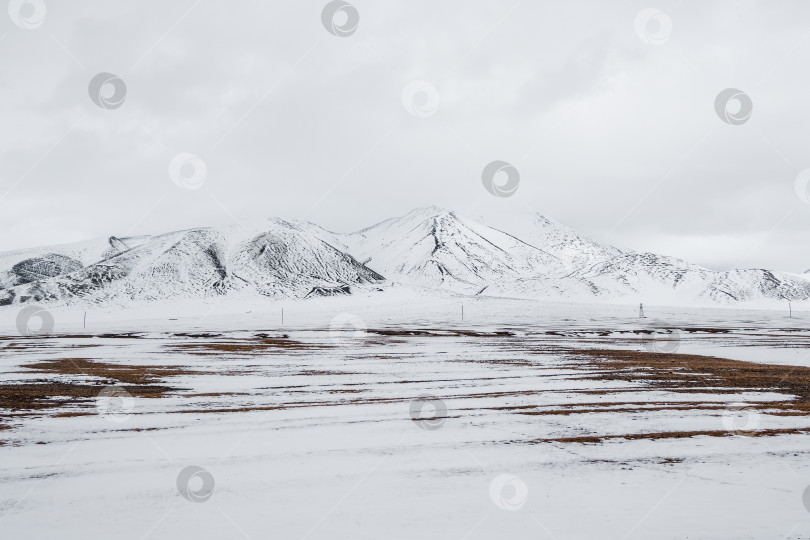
point(608, 409)
point(682, 373)
point(35, 396)
point(85, 336)
point(118, 373)
point(672, 435)
point(259, 344)
point(438, 333)
point(215, 394)
point(301, 404)
point(686, 372)
point(72, 414)
point(235, 409)
point(318, 372)
point(198, 335)
point(33, 344)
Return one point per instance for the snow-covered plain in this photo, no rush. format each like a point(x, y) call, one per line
point(311, 435)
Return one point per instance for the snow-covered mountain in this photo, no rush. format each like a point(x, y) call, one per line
point(526, 256)
point(530, 256)
point(273, 258)
point(436, 248)
point(573, 249)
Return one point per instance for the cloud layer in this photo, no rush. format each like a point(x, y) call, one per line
point(612, 135)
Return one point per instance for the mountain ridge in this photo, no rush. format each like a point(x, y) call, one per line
point(525, 256)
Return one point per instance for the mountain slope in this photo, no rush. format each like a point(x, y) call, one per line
point(570, 247)
point(756, 284)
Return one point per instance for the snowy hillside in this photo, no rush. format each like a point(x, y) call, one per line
point(570, 247)
point(436, 248)
point(530, 256)
point(524, 256)
point(272, 258)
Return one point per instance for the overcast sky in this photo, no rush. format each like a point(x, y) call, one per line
point(613, 130)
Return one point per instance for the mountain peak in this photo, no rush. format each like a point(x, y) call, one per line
point(427, 212)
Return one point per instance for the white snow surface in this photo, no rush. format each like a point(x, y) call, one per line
point(316, 441)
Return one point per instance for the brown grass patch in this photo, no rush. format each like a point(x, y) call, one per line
point(630, 410)
point(690, 372)
point(215, 394)
point(260, 344)
point(439, 333)
point(198, 335)
point(683, 373)
point(324, 373)
point(672, 435)
point(45, 395)
point(37, 396)
point(125, 374)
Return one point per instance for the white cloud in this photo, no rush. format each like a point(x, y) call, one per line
point(592, 117)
